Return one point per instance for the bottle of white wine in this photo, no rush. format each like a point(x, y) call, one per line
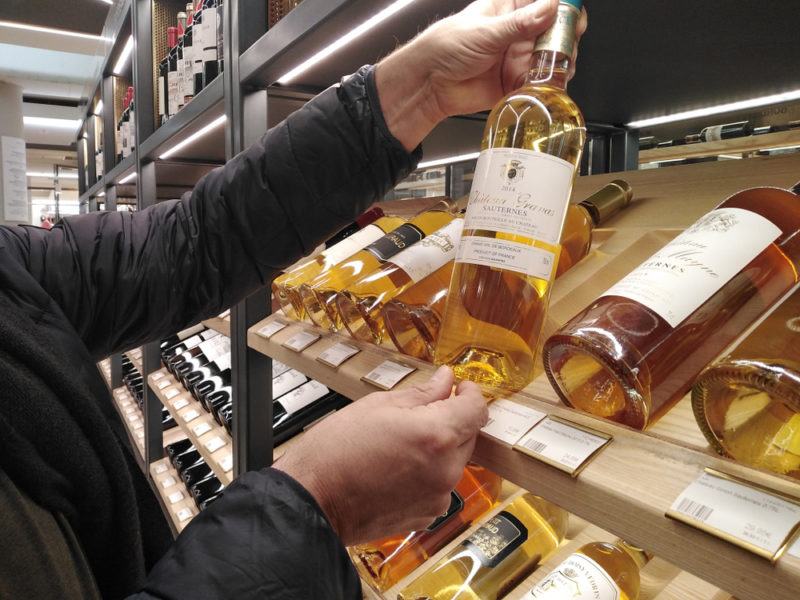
point(521, 187)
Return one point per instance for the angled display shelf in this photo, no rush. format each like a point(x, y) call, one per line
point(751, 143)
point(220, 323)
point(172, 494)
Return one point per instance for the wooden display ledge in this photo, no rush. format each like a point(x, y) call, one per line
point(105, 370)
point(221, 324)
point(750, 143)
point(221, 459)
point(135, 357)
point(176, 501)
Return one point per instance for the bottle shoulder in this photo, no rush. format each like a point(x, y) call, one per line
point(540, 100)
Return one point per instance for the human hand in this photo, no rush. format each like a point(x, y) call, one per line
point(387, 463)
point(462, 64)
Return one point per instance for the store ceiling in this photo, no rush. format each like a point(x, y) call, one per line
point(85, 16)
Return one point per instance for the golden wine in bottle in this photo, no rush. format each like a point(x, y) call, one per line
point(319, 294)
point(637, 349)
point(748, 403)
point(360, 304)
point(372, 225)
point(386, 561)
point(597, 571)
point(509, 248)
point(413, 318)
point(497, 557)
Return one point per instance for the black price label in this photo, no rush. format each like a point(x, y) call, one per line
point(395, 241)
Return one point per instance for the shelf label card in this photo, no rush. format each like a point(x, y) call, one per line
point(226, 463)
point(170, 394)
point(168, 482)
point(794, 549)
point(158, 375)
point(201, 429)
point(388, 374)
point(175, 497)
point(164, 384)
point(182, 403)
point(162, 468)
point(337, 354)
point(215, 444)
point(738, 512)
point(564, 445)
point(191, 415)
point(509, 421)
point(184, 514)
point(270, 329)
point(302, 340)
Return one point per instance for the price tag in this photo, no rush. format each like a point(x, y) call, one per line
point(561, 444)
point(739, 512)
point(175, 497)
point(125, 403)
point(270, 329)
point(131, 416)
point(182, 403)
point(337, 354)
point(388, 374)
point(191, 415)
point(168, 482)
point(508, 421)
point(300, 341)
point(158, 375)
point(162, 468)
point(138, 425)
point(164, 384)
point(184, 514)
point(140, 434)
point(794, 549)
point(215, 444)
point(227, 463)
point(170, 394)
point(120, 392)
point(201, 429)
point(129, 409)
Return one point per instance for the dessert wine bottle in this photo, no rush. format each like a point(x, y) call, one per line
point(531, 149)
point(497, 557)
point(748, 403)
point(636, 350)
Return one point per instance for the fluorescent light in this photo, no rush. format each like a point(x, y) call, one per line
point(341, 42)
point(715, 110)
point(128, 178)
point(51, 122)
point(448, 160)
point(98, 110)
point(123, 58)
point(195, 136)
point(26, 27)
point(51, 175)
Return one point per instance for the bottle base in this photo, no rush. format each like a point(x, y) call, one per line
point(490, 369)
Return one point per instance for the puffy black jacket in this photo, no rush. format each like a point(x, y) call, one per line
point(102, 283)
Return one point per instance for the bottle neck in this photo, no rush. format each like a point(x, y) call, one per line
point(550, 68)
point(552, 54)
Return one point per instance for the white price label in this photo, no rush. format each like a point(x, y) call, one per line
point(337, 354)
point(140, 434)
point(794, 549)
point(201, 429)
point(388, 374)
point(129, 409)
point(270, 329)
point(184, 514)
point(300, 341)
point(508, 421)
point(162, 468)
point(215, 444)
point(191, 415)
point(226, 463)
point(175, 497)
point(182, 403)
point(138, 425)
point(164, 384)
point(744, 515)
point(563, 445)
point(132, 416)
point(158, 375)
point(168, 482)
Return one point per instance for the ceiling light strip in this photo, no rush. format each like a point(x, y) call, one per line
point(344, 40)
point(123, 58)
point(194, 137)
point(449, 160)
point(51, 175)
point(51, 122)
point(64, 32)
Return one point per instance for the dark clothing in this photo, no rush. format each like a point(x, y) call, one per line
point(105, 282)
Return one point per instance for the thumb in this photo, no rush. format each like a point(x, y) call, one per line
point(522, 24)
point(438, 387)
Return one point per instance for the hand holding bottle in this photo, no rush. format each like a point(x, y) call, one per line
point(387, 463)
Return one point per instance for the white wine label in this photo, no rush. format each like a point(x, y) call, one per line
point(337, 354)
point(737, 512)
point(394, 242)
point(520, 192)
point(215, 444)
point(270, 329)
point(201, 429)
point(209, 333)
point(503, 254)
point(278, 368)
point(164, 384)
point(577, 578)
point(713, 134)
point(302, 340)
point(301, 397)
point(685, 273)
point(287, 382)
point(350, 245)
point(191, 415)
point(494, 541)
point(168, 482)
point(170, 394)
point(566, 446)
point(388, 374)
point(216, 347)
point(226, 463)
point(431, 253)
point(162, 468)
point(223, 362)
point(175, 497)
point(508, 421)
point(182, 403)
point(158, 375)
point(184, 514)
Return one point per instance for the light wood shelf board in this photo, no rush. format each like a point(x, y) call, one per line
point(105, 370)
point(214, 459)
point(750, 143)
point(222, 325)
point(181, 512)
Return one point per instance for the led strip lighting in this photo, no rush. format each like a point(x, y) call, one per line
point(194, 137)
point(123, 58)
point(26, 27)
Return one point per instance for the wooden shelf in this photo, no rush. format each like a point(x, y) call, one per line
point(135, 357)
point(747, 144)
point(172, 393)
point(105, 370)
point(175, 499)
point(220, 324)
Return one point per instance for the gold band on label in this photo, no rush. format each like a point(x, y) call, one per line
point(561, 36)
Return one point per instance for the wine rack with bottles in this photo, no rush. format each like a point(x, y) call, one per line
point(172, 494)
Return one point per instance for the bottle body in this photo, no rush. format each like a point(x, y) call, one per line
point(497, 557)
point(636, 350)
point(716, 133)
point(748, 403)
point(386, 561)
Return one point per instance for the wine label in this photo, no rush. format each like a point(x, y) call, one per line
point(175, 497)
point(188, 71)
point(223, 362)
point(301, 340)
point(566, 446)
point(577, 578)
point(337, 354)
point(561, 35)
point(737, 512)
point(508, 421)
point(436, 250)
point(456, 506)
point(215, 444)
point(216, 347)
point(301, 397)
point(713, 134)
point(209, 333)
point(352, 244)
point(209, 33)
point(278, 368)
point(270, 329)
point(683, 275)
point(285, 383)
point(388, 374)
point(395, 241)
point(504, 254)
point(201, 429)
point(496, 539)
point(172, 91)
point(161, 97)
point(184, 514)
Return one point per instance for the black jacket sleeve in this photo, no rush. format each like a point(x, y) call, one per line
point(123, 279)
point(265, 538)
